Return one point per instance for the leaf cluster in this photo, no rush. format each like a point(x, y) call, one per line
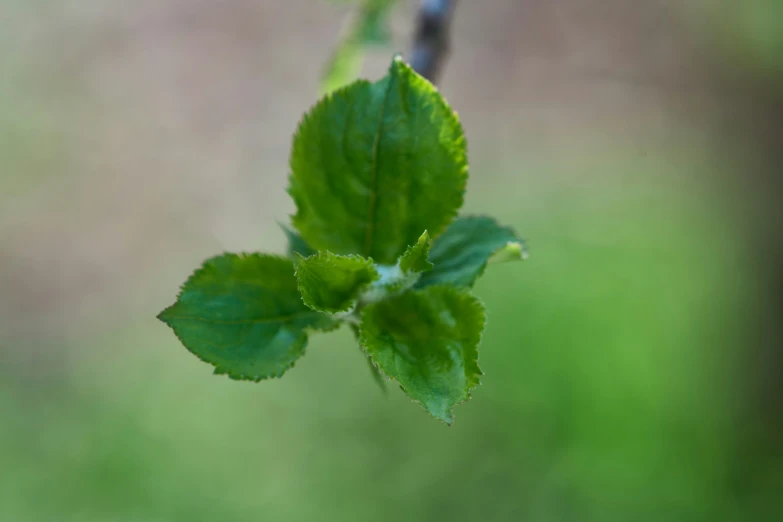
point(378, 175)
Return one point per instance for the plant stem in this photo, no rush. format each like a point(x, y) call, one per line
point(431, 41)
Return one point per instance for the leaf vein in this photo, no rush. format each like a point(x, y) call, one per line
point(371, 212)
point(264, 320)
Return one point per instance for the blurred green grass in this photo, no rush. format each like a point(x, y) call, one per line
point(610, 393)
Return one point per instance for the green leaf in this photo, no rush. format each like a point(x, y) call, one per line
point(372, 24)
point(379, 379)
point(461, 254)
point(243, 314)
point(512, 251)
point(377, 376)
point(393, 279)
point(368, 27)
point(427, 340)
point(416, 258)
point(374, 164)
point(296, 245)
point(344, 65)
point(332, 283)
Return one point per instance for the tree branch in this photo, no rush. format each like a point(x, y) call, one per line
point(431, 42)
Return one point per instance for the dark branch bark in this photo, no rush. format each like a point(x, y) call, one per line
point(431, 42)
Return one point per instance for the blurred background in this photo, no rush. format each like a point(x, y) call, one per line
point(633, 363)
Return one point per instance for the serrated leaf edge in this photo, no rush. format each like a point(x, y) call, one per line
point(521, 241)
point(342, 313)
point(306, 117)
point(411, 248)
point(397, 61)
point(464, 171)
point(468, 393)
point(224, 371)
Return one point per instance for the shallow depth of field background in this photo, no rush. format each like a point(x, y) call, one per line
point(632, 363)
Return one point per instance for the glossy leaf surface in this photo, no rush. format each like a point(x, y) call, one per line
point(243, 314)
point(427, 340)
point(332, 283)
point(461, 253)
point(375, 164)
point(416, 258)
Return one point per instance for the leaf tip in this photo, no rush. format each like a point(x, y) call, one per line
point(399, 65)
point(163, 316)
point(446, 417)
point(511, 251)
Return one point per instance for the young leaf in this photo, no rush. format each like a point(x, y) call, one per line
point(461, 253)
point(394, 279)
point(372, 26)
point(332, 283)
point(379, 379)
point(512, 251)
point(344, 64)
point(427, 340)
point(374, 164)
point(368, 27)
point(416, 258)
point(296, 245)
point(243, 314)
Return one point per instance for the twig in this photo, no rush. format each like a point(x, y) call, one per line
point(431, 42)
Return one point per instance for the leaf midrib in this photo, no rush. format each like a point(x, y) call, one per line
point(371, 212)
point(264, 320)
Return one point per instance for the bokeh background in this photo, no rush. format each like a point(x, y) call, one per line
point(633, 363)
